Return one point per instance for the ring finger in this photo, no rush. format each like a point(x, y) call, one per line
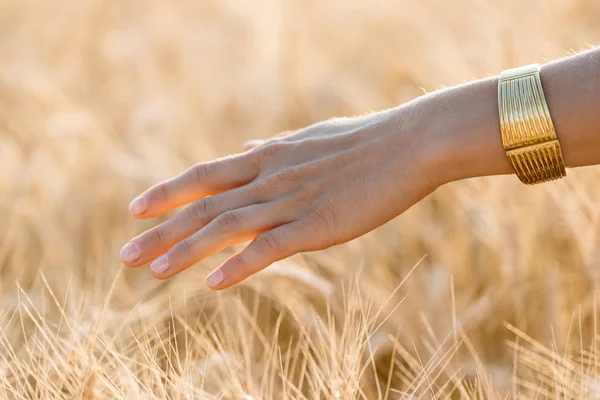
point(229, 228)
point(158, 240)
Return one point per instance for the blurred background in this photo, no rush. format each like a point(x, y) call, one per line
point(486, 289)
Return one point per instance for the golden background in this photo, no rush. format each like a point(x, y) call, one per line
point(101, 99)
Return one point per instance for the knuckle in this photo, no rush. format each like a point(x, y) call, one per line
point(238, 263)
point(183, 249)
point(229, 220)
point(268, 242)
point(255, 191)
point(200, 210)
point(270, 149)
point(201, 172)
point(325, 215)
point(252, 158)
point(157, 237)
point(161, 191)
point(283, 178)
point(288, 174)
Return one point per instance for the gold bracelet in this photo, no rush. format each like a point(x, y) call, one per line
point(528, 133)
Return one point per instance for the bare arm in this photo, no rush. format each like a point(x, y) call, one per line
point(336, 180)
point(463, 124)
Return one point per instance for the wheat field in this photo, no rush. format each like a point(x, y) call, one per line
point(487, 289)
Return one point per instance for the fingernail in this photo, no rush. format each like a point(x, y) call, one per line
point(138, 205)
point(160, 265)
point(130, 252)
point(215, 278)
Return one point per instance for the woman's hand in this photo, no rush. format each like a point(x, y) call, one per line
point(312, 189)
point(339, 179)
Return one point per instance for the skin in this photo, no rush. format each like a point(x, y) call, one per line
point(336, 180)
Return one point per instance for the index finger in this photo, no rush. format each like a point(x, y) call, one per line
point(199, 181)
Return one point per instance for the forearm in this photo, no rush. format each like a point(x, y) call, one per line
point(572, 89)
point(462, 130)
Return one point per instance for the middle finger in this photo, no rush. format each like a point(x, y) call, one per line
point(158, 240)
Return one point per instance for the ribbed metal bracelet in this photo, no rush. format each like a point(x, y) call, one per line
point(528, 133)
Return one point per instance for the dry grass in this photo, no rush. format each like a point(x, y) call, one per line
point(487, 289)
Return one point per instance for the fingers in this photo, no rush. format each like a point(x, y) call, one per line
point(267, 248)
point(158, 240)
point(198, 181)
point(231, 227)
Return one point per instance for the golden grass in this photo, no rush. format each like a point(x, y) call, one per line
point(487, 289)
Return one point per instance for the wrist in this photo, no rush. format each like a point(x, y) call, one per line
point(460, 132)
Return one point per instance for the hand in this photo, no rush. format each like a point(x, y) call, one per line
point(309, 190)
